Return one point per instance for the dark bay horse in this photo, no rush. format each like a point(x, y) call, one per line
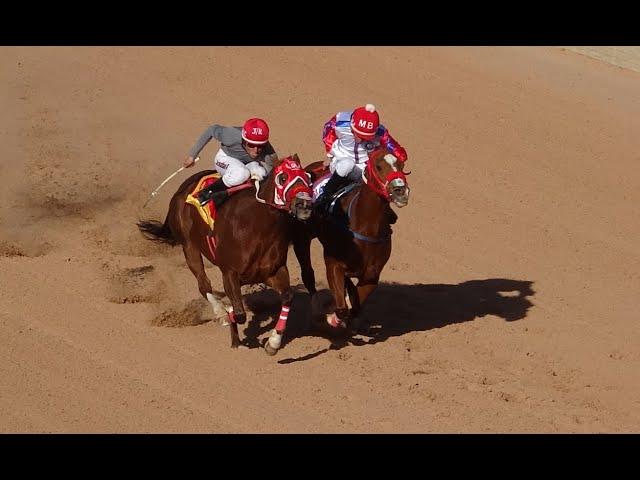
point(249, 242)
point(356, 233)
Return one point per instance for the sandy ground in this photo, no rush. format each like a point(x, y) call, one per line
point(508, 304)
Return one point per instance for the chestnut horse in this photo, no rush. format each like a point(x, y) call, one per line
point(249, 242)
point(355, 233)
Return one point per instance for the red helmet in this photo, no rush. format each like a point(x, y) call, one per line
point(365, 121)
point(255, 130)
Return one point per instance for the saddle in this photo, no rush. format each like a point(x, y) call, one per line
point(330, 206)
point(318, 187)
point(209, 210)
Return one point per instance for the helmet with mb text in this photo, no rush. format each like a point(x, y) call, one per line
point(365, 121)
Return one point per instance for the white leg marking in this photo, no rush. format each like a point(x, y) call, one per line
point(275, 340)
point(333, 320)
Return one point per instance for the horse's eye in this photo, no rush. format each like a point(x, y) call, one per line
point(282, 177)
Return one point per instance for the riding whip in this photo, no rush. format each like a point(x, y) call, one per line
point(155, 192)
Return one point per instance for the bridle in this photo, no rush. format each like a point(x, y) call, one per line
point(297, 185)
point(379, 186)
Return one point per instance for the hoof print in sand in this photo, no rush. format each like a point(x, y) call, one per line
point(135, 285)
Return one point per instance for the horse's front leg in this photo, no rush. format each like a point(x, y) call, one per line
point(362, 292)
point(302, 249)
point(354, 300)
point(365, 290)
point(336, 279)
point(280, 282)
point(237, 315)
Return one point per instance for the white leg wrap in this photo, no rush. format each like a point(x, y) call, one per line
point(275, 339)
point(218, 308)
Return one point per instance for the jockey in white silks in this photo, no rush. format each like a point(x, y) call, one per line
point(349, 137)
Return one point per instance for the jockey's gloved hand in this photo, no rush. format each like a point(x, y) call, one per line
point(256, 170)
point(268, 161)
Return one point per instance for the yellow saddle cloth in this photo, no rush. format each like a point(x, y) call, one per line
point(207, 212)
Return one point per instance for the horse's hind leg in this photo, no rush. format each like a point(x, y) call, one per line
point(194, 261)
point(237, 315)
point(280, 282)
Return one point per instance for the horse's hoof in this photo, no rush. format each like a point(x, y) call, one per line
point(334, 321)
point(240, 318)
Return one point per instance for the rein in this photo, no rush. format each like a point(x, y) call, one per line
point(271, 204)
point(262, 200)
point(346, 227)
point(295, 191)
point(359, 236)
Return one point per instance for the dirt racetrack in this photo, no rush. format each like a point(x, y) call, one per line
point(508, 304)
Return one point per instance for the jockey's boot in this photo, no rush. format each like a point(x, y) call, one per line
point(331, 187)
point(392, 217)
point(217, 192)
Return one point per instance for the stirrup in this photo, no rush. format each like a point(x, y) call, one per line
point(205, 197)
point(213, 192)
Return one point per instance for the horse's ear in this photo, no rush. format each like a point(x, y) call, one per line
point(277, 161)
point(296, 159)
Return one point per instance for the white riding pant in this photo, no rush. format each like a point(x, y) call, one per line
point(347, 167)
point(234, 172)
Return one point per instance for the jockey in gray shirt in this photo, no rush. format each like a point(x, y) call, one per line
point(244, 152)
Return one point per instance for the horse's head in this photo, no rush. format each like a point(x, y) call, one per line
point(385, 176)
point(292, 188)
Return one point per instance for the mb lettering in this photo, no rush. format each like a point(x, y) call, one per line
point(365, 124)
point(257, 131)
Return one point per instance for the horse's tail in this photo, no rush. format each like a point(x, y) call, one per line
point(156, 231)
point(161, 232)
